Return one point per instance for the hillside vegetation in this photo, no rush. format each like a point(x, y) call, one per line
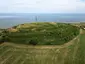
point(3, 36)
point(72, 52)
point(43, 33)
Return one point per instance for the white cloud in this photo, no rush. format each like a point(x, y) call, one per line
point(56, 6)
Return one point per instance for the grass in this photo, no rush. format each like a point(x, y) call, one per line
point(69, 53)
point(11, 53)
point(45, 33)
point(80, 56)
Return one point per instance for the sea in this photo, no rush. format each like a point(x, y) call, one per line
point(8, 20)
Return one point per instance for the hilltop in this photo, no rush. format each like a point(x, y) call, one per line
point(70, 53)
point(42, 33)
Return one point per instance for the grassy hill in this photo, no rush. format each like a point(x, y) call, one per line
point(69, 53)
point(22, 54)
point(43, 33)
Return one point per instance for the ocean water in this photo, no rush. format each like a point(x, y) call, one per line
point(11, 19)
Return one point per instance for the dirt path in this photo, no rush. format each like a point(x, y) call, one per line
point(14, 62)
point(76, 49)
point(24, 60)
point(4, 52)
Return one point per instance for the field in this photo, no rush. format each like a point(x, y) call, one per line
point(43, 33)
point(22, 54)
point(69, 53)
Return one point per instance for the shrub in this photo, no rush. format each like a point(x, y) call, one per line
point(3, 36)
point(48, 43)
point(1, 39)
point(14, 27)
point(33, 42)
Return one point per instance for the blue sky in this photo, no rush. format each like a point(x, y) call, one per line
point(42, 6)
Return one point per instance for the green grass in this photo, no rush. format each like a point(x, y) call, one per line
point(70, 53)
point(45, 33)
point(11, 53)
point(80, 56)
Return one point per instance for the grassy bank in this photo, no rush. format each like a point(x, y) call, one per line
point(24, 54)
point(69, 53)
point(44, 33)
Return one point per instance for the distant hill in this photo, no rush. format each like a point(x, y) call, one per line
point(43, 33)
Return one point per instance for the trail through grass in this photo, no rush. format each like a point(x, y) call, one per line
point(23, 54)
point(72, 52)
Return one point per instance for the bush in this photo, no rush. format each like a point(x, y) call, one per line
point(33, 42)
point(48, 43)
point(1, 39)
point(3, 36)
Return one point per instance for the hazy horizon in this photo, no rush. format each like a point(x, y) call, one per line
point(11, 19)
point(13, 12)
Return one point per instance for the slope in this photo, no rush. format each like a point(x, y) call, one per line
point(43, 33)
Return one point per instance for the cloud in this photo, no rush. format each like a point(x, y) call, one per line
point(43, 6)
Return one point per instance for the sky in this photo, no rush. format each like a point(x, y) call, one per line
point(42, 6)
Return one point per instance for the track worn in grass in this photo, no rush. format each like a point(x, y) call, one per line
point(23, 54)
